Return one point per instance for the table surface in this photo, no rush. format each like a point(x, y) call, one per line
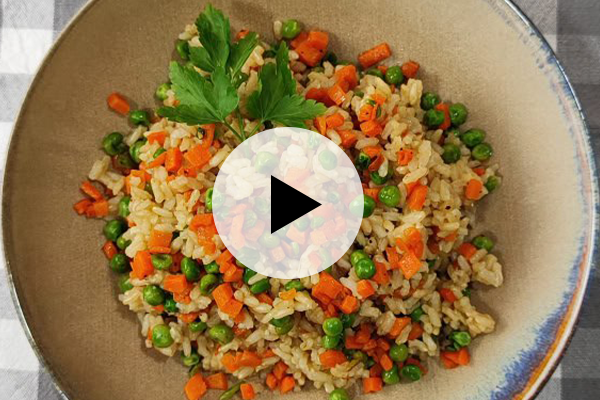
point(29, 27)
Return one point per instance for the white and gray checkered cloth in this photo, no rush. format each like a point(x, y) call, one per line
point(28, 29)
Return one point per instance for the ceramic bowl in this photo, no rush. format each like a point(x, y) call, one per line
point(485, 54)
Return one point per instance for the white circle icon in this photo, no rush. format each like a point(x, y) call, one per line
point(288, 203)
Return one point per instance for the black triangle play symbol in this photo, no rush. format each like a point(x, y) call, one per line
point(288, 204)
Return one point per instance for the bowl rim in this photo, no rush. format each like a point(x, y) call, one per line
point(541, 372)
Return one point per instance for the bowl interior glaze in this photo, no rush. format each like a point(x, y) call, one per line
point(472, 51)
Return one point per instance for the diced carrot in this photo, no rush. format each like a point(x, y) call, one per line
point(467, 250)
point(321, 124)
point(383, 344)
point(370, 345)
point(399, 326)
point(91, 190)
point(410, 265)
point(479, 171)
point(242, 34)
point(375, 371)
point(334, 120)
point(381, 275)
point(271, 381)
point(411, 186)
point(337, 94)
point(405, 156)
point(451, 237)
point(109, 249)
point(118, 103)
point(379, 99)
point(97, 209)
point(372, 385)
point(372, 151)
point(393, 257)
point(176, 284)
point(366, 113)
point(318, 94)
point(279, 370)
point(318, 40)
point(363, 335)
point(443, 107)
point(222, 294)
point(374, 55)
point(198, 156)
point(160, 239)
point(474, 189)
point(299, 39)
point(229, 362)
point(332, 287)
point(209, 135)
point(217, 381)
point(460, 357)
point(157, 137)
point(416, 331)
point(268, 353)
point(352, 344)
point(347, 74)
point(348, 138)
point(331, 358)
point(264, 298)
point(288, 294)
point(195, 387)
point(287, 384)
point(365, 289)
point(296, 235)
point(158, 161)
point(247, 391)
point(410, 69)
point(189, 317)
point(234, 274)
point(371, 128)
point(446, 362)
point(82, 206)
point(308, 54)
point(201, 220)
point(448, 295)
point(250, 359)
point(142, 265)
point(386, 362)
point(182, 298)
point(349, 305)
point(372, 193)
point(416, 200)
point(174, 159)
point(159, 309)
point(382, 68)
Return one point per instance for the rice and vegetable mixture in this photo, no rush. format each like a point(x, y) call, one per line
point(398, 299)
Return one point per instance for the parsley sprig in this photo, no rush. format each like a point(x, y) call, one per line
point(205, 100)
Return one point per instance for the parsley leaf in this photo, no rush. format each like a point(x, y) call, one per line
point(240, 52)
point(202, 101)
point(215, 36)
point(276, 99)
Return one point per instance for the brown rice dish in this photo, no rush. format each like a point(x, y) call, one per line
point(400, 299)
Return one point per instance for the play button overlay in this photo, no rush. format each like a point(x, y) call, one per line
point(287, 203)
point(282, 195)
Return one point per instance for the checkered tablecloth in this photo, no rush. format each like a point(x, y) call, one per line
point(29, 27)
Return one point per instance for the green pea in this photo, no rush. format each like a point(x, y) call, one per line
point(359, 93)
point(317, 222)
point(124, 161)
point(248, 274)
point(162, 91)
point(458, 114)
point(124, 206)
point(429, 101)
point(153, 295)
point(466, 292)
point(171, 305)
point(328, 159)
point(269, 240)
point(347, 320)
point(461, 338)
point(433, 118)
point(302, 223)
point(139, 117)
point(331, 57)
point(451, 153)
point(197, 326)
point(295, 284)
point(113, 144)
point(390, 196)
point(183, 49)
point(365, 268)
point(370, 362)
point(134, 151)
point(333, 197)
point(207, 283)
point(399, 352)
point(262, 206)
point(473, 137)
point(378, 179)
point(394, 75)
point(330, 342)
point(159, 152)
point(483, 242)
point(391, 377)
point(249, 255)
point(161, 336)
point(265, 162)
point(283, 325)
point(375, 72)
point(492, 183)
point(221, 333)
point(191, 269)
point(368, 206)
point(430, 264)
point(162, 261)
point(123, 243)
point(333, 326)
point(123, 283)
point(212, 267)
point(356, 256)
point(362, 161)
point(239, 78)
point(260, 286)
point(208, 203)
point(250, 219)
point(411, 372)
point(482, 152)
point(229, 393)
point(113, 229)
point(339, 394)
point(453, 132)
point(290, 29)
point(417, 314)
point(295, 249)
point(190, 360)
